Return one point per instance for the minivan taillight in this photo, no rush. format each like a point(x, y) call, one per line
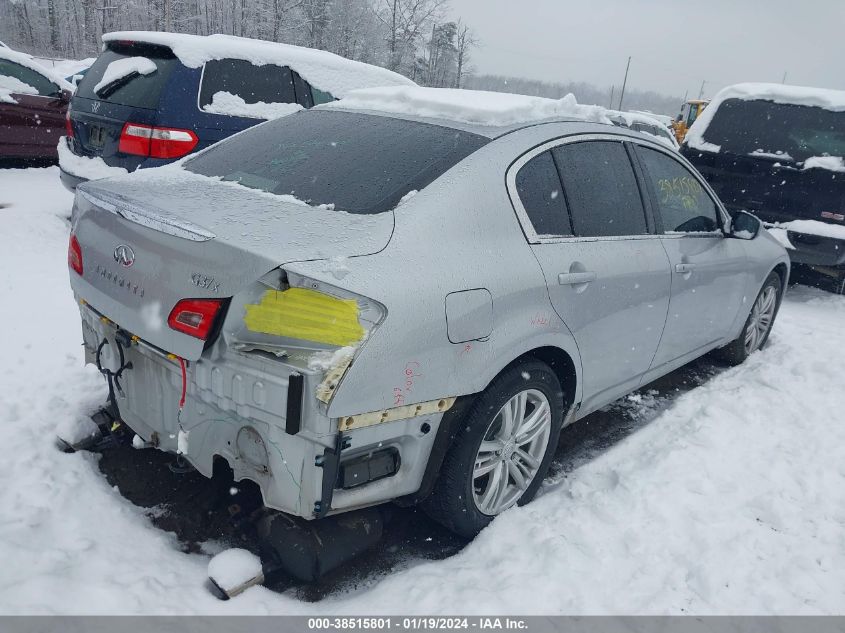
point(156, 142)
point(74, 254)
point(194, 317)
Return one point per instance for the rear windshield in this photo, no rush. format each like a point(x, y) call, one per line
point(748, 127)
point(140, 91)
point(360, 163)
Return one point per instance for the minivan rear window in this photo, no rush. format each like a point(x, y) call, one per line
point(140, 91)
point(794, 131)
point(360, 163)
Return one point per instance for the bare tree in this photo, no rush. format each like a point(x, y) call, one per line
point(465, 42)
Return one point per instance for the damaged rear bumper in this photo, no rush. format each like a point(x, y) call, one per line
point(261, 415)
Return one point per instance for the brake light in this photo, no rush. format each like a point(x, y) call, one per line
point(194, 317)
point(156, 142)
point(68, 124)
point(74, 254)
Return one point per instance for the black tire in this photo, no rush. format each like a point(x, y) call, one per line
point(735, 353)
point(838, 285)
point(452, 501)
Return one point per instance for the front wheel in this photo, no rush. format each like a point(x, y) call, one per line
point(502, 451)
point(759, 324)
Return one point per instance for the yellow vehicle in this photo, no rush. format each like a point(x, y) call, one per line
point(689, 113)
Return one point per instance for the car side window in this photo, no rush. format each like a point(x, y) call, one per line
point(682, 202)
point(539, 190)
point(320, 96)
point(601, 189)
point(44, 86)
point(268, 83)
point(303, 91)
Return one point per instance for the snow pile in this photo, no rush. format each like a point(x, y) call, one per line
point(629, 119)
point(226, 103)
point(833, 100)
point(233, 567)
point(778, 155)
point(814, 227)
point(125, 67)
point(729, 499)
point(27, 61)
point(66, 67)
point(830, 163)
point(323, 70)
point(468, 106)
point(89, 168)
point(13, 85)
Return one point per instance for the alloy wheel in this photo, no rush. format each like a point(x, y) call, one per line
point(761, 319)
point(511, 451)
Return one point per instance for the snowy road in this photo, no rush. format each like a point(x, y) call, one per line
point(727, 498)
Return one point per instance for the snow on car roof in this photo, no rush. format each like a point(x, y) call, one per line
point(833, 100)
point(26, 60)
point(323, 70)
point(476, 107)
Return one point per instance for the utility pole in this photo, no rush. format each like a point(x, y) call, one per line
point(624, 83)
point(701, 92)
point(783, 81)
point(612, 89)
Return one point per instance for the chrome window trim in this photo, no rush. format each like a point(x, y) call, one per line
point(535, 238)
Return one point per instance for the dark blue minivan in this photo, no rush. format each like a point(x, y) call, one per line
point(152, 98)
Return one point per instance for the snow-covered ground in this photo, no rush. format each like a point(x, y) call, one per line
point(730, 500)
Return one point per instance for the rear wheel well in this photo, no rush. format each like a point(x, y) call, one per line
point(561, 364)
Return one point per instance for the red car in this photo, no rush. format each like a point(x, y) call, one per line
point(33, 107)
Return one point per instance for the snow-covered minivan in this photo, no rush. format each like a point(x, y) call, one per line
point(152, 98)
point(779, 152)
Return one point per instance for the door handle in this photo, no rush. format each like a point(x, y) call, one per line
point(573, 279)
point(684, 268)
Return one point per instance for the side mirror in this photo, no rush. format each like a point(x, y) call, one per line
point(744, 226)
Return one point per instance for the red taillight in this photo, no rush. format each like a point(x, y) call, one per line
point(194, 317)
point(68, 124)
point(156, 142)
point(74, 254)
point(135, 139)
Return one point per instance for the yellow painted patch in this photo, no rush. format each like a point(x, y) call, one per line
point(307, 315)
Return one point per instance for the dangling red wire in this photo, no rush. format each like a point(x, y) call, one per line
point(184, 381)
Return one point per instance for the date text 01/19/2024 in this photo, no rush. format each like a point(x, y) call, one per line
point(417, 623)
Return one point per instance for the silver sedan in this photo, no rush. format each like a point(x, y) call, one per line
point(349, 307)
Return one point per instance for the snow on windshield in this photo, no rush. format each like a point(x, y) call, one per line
point(10, 85)
point(468, 106)
point(326, 71)
point(830, 100)
point(226, 103)
point(125, 67)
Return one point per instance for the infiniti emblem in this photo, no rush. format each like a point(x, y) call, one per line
point(95, 107)
point(124, 255)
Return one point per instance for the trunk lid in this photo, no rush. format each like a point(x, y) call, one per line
point(195, 237)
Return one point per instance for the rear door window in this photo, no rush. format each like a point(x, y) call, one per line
point(268, 83)
point(140, 91)
point(601, 189)
point(683, 204)
point(540, 192)
point(39, 82)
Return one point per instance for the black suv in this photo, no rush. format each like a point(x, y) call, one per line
point(776, 151)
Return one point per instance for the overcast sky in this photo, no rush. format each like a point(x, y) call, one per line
point(675, 44)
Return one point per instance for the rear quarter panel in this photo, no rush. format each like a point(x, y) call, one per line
point(460, 233)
